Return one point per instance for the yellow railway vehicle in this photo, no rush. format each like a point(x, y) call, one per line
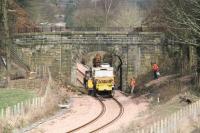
point(103, 78)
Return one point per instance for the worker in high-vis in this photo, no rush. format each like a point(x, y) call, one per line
point(156, 72)
point(90, 86)
point(132, 84)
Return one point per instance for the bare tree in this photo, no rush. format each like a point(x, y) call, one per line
point(128, 16)
point(7, 35)
point(108, 6)
point(92, 13)
point(88, 18)
point(182, 20)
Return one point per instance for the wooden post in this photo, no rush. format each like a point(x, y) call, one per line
point(18, 108)
point(29, 103)
point(168, 124)
point(154, 127)
point(40, 101)
point(8, 112)
point(158, 126)
point(22, 108)
point(164, 125)
point(161, 126)
point(185, 110)
point(191, 111)
point(178, 116)
point(33, 102)
point(151, 129)
point(198, 107)
point(175, 123)
point(36, 102)
point(15, 110)
point(198, 115)
point(2, 113)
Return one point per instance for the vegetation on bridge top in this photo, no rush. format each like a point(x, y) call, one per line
point(70, 33)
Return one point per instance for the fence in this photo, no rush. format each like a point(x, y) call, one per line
point(22, 108)
point(173, 123)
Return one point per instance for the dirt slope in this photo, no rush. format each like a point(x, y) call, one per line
point(22, 18)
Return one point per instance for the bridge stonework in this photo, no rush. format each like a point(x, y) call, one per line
point(61, 51)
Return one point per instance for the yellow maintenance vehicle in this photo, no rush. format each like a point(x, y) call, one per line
point(103, 79)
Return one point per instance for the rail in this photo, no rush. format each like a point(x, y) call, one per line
point(103, 109)
point(113, 120)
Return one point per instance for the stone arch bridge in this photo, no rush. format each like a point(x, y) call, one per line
point(62, 50)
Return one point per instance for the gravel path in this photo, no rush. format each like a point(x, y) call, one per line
point(86, 108)
point(132, 108)
point(112, 110)
point(83, 110)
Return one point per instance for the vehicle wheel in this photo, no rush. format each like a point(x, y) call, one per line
point(94, 91)
point(88, 92)
point(94, 94)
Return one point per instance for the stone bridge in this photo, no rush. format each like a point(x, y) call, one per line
point(62, 50)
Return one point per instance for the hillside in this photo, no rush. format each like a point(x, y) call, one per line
point(83, 13)
point(39, 12)
point(22, 18)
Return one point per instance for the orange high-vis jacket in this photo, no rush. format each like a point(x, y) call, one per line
point(133, 82)
point(155, 67)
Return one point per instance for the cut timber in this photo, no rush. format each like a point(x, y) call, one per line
point(3, 61)
point(185, 99)
point(66, 106)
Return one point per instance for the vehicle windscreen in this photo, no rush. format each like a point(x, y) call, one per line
point(103, 73)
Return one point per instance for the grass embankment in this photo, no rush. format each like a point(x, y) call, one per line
point(10, 97)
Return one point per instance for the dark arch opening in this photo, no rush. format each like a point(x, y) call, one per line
point(107, 57)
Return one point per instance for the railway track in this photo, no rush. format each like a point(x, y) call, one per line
point(113, 120)
point(103, 110)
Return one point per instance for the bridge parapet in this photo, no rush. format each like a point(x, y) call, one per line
point(90, 38)
point(49, 29)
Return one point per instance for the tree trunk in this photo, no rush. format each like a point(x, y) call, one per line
point(7, 35)
point(198, 67)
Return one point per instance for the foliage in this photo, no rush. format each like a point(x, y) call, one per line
point(128, 17)
point(181, 18)
point(69, 14)
point(106, 13)
point(88, 18)
point(22, 2)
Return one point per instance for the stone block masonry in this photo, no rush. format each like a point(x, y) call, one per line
point(62, 51)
